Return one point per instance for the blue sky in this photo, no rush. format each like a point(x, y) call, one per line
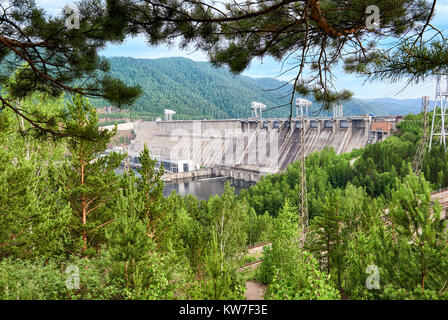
point(137, 48)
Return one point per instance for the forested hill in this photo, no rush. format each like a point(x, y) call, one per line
point(197, 90)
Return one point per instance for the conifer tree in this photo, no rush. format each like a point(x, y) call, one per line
point(414, 257)
point(34, 220)
point(150, 184)
point(327, 237)
point(89, 179)
point(60, 56)
point(127, 241)
point(319, 33)
point(408, 248)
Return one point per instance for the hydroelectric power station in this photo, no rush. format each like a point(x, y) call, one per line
point(249, 148)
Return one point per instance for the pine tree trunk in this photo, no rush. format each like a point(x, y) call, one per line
point(126, 272)
point(148, 225)
point(84, 212)
point(328, 255)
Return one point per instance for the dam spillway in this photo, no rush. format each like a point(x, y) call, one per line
point(249, 148)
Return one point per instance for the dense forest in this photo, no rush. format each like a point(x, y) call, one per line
point(72, 228)
point(198, 90)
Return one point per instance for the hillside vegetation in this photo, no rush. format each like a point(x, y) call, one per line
point(197, 90)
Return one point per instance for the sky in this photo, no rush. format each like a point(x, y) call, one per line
point(268, 67)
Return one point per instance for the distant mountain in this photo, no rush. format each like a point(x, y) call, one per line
point(197, 90)
point(396, 106)
point(380, 106)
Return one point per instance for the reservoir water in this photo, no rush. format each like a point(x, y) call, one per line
point(202, 188)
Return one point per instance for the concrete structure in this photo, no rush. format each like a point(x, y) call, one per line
point(382, 127)
point(110, 109)
point(120, 126)
point(169, 114)
point(257, 109)
point(338, 111)
point(441, 196)
point(302, 104)
point(249, 148)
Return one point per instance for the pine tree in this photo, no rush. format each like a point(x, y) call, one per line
point(89, 180)
point(410, 249)
point(235, 35)
point(316, 31)
point(150, 184)
point(58, 57)
point(34, 220)
point(127, 240)
point(327, 235)
point(411, 59)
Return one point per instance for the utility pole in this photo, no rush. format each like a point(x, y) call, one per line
point(303, 203)
point(440, 105)
point(126, 161)
point(419, 155)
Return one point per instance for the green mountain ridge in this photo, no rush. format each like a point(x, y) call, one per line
point(198, 90)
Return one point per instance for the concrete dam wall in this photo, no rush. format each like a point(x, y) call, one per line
point(248, 147)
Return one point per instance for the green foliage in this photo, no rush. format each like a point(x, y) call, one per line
point(291, 272)
point(229, 218)
point(409, 59)
point(215, 96)
point(26, 280)
point(136, 244)
point(303, 281)
point(151, 186)
point(200, 90)
point(89, 181)
point(416, 242)
point(285, 243)
point(345, 215)
point(30, 200)
point(259, 227)
point(45, 280)
point(222, 282)
point(409, 248)
point(60, 58)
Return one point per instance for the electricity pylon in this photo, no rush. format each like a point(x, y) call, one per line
point(419, 155)
point(440, 105)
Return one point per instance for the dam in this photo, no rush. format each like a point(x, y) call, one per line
point(247, 149)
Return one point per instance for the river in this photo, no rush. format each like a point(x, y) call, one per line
point(203, 190)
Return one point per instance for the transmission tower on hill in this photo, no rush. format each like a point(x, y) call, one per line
point(419, 155)
point(438, 131)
